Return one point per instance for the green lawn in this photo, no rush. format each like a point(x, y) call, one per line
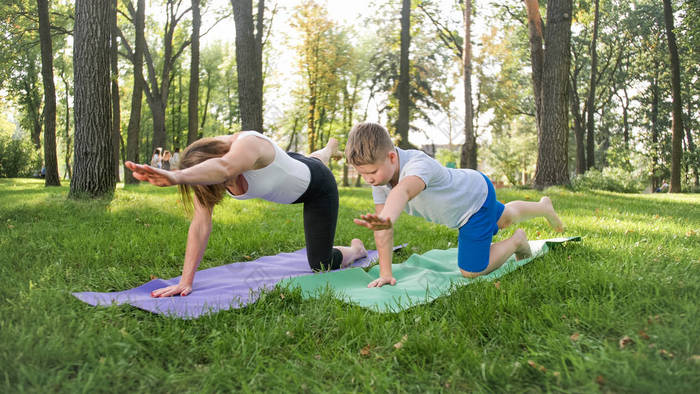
point(553, 325)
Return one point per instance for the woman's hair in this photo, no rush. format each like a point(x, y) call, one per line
point(199, 151)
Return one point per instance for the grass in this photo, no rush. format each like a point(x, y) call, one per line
point(553, 325)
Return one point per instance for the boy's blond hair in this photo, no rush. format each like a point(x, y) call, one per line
point(367, 143)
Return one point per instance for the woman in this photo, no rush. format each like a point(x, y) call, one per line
point(250, 165)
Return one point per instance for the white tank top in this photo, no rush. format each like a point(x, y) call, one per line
point(284, 180)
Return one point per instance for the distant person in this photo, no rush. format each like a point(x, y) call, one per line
point(175, 161)
point(165, 163)
point(249, 165)
point(663, 187)
point(463, 199)
point(155, 159)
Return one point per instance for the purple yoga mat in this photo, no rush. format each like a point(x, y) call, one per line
point(216, 289)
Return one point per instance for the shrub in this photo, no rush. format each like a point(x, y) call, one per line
point(611, 179)
point(18, 158)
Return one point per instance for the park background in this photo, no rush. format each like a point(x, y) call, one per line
point(616, 312)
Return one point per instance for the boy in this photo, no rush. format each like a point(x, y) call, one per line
point(458, 198)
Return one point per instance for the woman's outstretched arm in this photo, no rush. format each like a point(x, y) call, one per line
point(197, 239)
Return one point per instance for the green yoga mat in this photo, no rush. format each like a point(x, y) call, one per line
point(421, 279)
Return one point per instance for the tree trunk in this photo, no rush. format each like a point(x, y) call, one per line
point(402, 91)
point(116, 112)
point(677, 120)
point(468, 157)
point(691, 145)
point(654, 116)
point(536, 33)
point(50, 160)
point(590, 136)
point(248, 65)
point(552, 157)
point(193, 102)
point(94, 167)
point(579, 129)
point(134, 130)
point(66, 134)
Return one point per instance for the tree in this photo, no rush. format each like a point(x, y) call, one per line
point(50, 160)
point(677, 120)
point(249, 62)
point(403, 90)
point(156, 90)
point(590, 139)
point(323, 57)
point(193, 102)
point(114, 66)
point(469, 149)
point(551, 94)
point(134, 128)
point(94, 166)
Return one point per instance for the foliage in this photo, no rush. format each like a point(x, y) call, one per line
point(635, 274)
point(18, 157)
point(446, 156)
point(514, 153)
point(611, 179)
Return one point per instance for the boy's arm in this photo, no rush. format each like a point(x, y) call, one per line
point(384, 240)
point(382, 224)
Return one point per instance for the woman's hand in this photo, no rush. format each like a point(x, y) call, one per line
point(381, 281)
point(374, 222)
point(155, 176)
point(178, 289)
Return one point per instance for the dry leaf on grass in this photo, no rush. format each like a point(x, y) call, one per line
point(666, 354)
point(575, 336)
point(365, 351)
point(624, 341)
point(399, 344)
point(643, 334)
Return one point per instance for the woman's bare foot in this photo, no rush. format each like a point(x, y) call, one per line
point(522, 250)
point(551, 215)
point(328, 151)
point(355, 251)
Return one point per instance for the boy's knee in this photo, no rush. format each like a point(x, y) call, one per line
point(470, 275)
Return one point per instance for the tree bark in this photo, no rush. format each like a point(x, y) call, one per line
point(552, 157)
point(677, 120)
point(134, 129)
point(116, 112)
point(248, 64)
point(579, 128)
point(402, 91)
point(193, 102)
point(536, 33)
point(654, 118)
point(50, 160)
point(94, 166)
point(468, 157)
point(590, 136)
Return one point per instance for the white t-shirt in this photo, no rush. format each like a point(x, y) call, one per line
point(282, 181)
point(451, 196)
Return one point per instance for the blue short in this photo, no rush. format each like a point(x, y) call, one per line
point(476, 234)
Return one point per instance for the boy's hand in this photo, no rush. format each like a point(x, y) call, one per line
point(156, 176)
point(379, 282)
point(373, 222)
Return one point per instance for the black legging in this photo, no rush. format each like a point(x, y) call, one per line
point(320, 215)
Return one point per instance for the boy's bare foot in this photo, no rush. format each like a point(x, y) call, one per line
point(522, 250)
point(551, 215)
point(355, 251)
